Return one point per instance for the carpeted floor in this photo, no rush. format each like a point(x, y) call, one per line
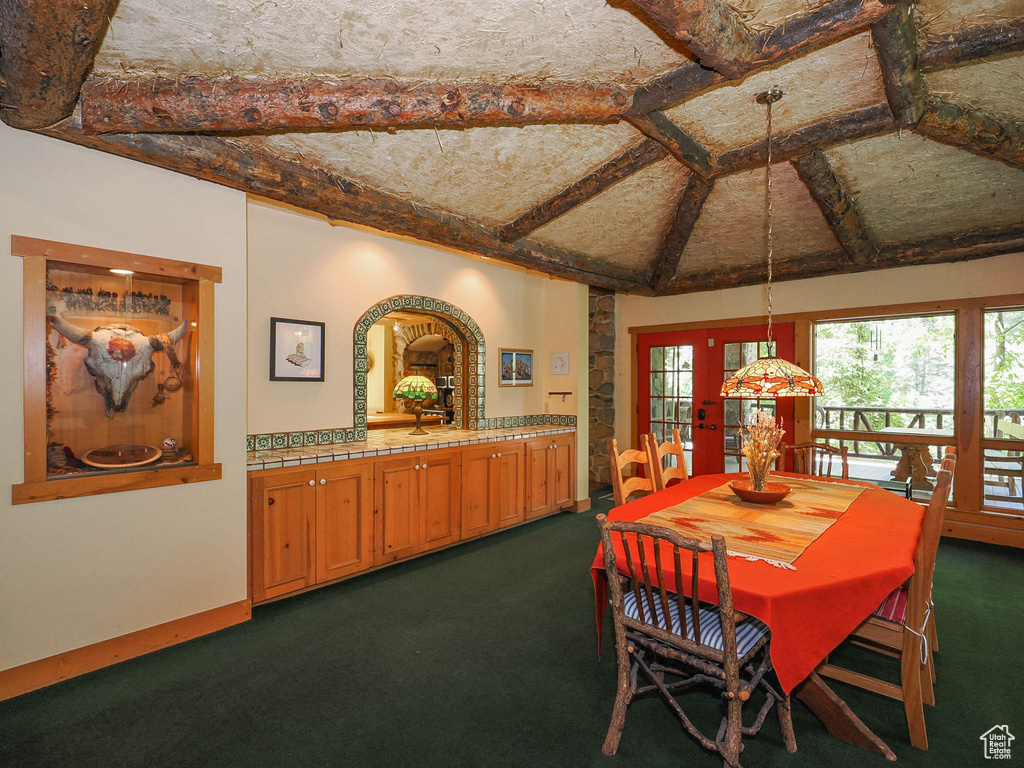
point(484, 655)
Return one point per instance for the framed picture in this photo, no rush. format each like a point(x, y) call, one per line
point(296, 350)
point(516, 368)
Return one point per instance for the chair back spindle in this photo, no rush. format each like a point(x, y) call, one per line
point(819, 459)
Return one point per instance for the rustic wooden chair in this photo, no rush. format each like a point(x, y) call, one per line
point(818, 458)
point(624, 487)
point(903, 625)
point(664, 475)
point(677, 643)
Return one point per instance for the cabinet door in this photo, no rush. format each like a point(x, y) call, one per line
point(479, 475)
point(344, 521)
point(538, 498)
point(563, 481)
point(397, 524)
point(439, 479)
point(282, 522)
point(510, 498)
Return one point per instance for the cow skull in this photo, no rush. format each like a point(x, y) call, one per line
point(119, 357)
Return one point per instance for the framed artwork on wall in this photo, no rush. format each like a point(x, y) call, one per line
point(516, 368)
point(296, 350)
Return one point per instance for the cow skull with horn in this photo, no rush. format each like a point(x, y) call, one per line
point(119, 357)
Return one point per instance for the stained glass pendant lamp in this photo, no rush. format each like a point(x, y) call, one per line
point(417, 390)
point(770, 376)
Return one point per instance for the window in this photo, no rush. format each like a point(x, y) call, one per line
point(1004, 409)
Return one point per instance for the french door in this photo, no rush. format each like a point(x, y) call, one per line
point(680, 376)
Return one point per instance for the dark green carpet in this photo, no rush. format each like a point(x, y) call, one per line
point(484, 656)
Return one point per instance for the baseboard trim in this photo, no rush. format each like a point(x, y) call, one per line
point(63, 666)
point(581, 505)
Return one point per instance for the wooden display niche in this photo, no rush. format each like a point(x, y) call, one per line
point(316, 525)
point(186, 414)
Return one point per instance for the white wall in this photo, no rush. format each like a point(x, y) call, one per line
point(302, 267)
point(375, 396)
point(996, 276)
point(78, 571)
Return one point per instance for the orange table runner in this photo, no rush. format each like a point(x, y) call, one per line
point(776, 533)
point(840, 579)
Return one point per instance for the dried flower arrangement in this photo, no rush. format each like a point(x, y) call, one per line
point(761, 439)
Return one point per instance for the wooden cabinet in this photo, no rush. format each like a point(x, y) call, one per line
point(282, 533)
point(344, 520)
point(310, 526)
point(550, 475)
point(317, 524)
point(416, 504)
point(493, 488)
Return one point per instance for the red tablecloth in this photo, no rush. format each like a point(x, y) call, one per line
point(839, 580)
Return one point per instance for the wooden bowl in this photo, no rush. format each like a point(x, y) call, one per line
point(770, 494)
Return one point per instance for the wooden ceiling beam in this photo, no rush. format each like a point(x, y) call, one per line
point(711, 29)
point(635, 158)
point(934, 250)
point(895, 39)
point(798, 35)
point(683, 146)
point(687, 212)
point(224, 162)
point(861, 123)
point(46, 50)
point(837, 206)
point(972, 44)
point(973, 130)
point(229, 105)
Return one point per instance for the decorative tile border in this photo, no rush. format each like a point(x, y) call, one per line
point(464, 325)
point(333, 436)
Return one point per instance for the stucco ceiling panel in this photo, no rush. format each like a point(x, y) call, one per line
point(994, 86)
point(626, 223)
point(732, 228)
point(491, 175)
point(429, 39)
point(943, 16)
point(831, 81)
point(910, 188)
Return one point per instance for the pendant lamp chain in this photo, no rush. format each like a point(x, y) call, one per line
point(768, 175)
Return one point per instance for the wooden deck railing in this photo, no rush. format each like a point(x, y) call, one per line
point(849, 418)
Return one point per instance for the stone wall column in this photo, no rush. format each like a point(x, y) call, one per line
point(602, 383)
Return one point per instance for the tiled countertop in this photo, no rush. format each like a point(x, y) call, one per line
point(384, 442)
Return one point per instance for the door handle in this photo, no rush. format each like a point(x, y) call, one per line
point(711, 426)
point(701, 425)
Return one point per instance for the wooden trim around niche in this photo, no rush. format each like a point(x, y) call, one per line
point(37, 487)
point(63, 666)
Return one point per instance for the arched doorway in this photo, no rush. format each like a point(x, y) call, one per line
point(467, 339)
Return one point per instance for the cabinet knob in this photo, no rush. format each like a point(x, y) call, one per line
point(424, 465)
point(499, 455)
point(312, 482)
point(417, 466)
point(270, 501)
point(323, 481)
point(494, 455)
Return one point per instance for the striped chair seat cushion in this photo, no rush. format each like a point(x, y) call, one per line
point(894, 607)
point(748, 633)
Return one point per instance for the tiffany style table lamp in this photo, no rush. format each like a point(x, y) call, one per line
point(416, 390)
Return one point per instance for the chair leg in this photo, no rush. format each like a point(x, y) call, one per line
point(784, 710)
point(927, 678)
point(733, 741)
point(623, 695)
point(911, 680)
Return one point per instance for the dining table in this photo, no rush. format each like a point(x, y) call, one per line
point(812, 603)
